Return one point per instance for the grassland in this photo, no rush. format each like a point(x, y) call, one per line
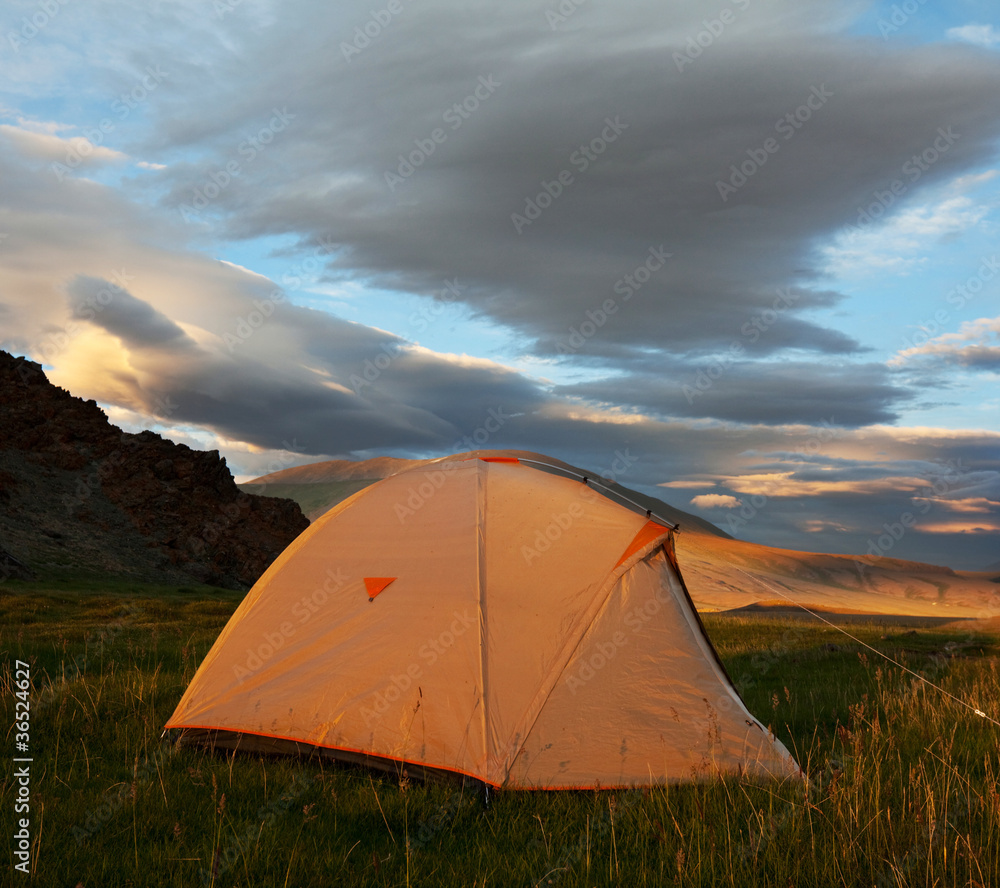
point(314, 498)
point(903, 787)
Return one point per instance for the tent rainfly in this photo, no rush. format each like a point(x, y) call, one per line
point(487, 617)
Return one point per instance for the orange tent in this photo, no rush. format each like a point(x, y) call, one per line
point(485, 617)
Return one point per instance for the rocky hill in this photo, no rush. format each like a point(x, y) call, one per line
point(77, 493)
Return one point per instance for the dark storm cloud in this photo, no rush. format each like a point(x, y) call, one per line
point(756, 392)
point(679, 133)
point(135, 322)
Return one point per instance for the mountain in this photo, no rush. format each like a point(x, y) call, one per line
point(720, 572)
point(79, 494)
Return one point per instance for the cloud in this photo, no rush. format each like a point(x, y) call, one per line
point(715, 501)
point(980, 35)
point(163, 332)
point(963, 527)
point(135, 322)
point(976, 346)
point(41, 143)
point(904, 242)
point(755, 391)
point(790, 484)
point(686, 485)
point(655, 185)
point(977, 504)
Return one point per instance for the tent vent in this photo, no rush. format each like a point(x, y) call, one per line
point(374, 585)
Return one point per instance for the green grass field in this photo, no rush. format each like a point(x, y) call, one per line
point(903, 789)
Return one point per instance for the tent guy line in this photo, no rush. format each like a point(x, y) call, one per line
point(843, 631)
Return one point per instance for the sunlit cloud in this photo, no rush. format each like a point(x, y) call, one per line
point(973, 505)
point(47, 146)
point(987, 526)
point(715, 501)
point(785, 484)
point(975, 346)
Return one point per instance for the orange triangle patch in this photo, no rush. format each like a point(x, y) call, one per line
point(374, 585)
point(647, 533)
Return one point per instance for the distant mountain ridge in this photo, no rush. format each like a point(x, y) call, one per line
point(77, 493)
point(340, 470)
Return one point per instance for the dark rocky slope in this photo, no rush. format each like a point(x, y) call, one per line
point(76, 492)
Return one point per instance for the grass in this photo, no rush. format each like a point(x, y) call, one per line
point(903, 786)
point(314, 497)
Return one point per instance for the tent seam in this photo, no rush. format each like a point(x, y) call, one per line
point(483, 616)
point(599, 602)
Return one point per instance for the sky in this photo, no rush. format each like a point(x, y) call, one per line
point(742, 256)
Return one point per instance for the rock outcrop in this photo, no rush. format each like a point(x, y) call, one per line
point(78, 492)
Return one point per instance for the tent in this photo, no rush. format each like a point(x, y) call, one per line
point(486, 616)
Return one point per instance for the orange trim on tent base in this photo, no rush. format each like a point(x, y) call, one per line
point(392, 758)
point(647, 533)
point(374, 585)
point(366, 752)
